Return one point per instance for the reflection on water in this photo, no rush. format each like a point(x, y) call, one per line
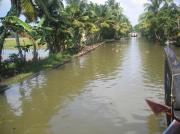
point(100, 93)
point(23, 90)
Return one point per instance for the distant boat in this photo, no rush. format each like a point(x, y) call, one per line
point(134, 34)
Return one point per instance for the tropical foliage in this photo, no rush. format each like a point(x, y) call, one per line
point(65, 26)
point(160, 20)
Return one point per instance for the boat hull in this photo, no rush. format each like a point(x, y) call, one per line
point(174, 128)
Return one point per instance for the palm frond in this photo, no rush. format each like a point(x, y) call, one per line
point(43, 4)
point(28, 10)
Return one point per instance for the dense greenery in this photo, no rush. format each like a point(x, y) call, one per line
point(160, 21)
point(64, 26)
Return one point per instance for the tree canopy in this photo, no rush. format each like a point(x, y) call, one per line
point(160, 20)
point(65, 27)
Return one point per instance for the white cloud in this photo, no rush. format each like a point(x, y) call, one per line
point(141, 2)
point(132, 9)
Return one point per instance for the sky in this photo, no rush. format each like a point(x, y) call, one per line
point(131, 8)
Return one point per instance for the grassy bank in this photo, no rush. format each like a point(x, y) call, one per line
point(10, 43)
point(53, 61)
point(32, 67)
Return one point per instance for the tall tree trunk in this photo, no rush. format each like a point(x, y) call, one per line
point(2, 38)
point(157, 36)
point(77, 38)
point(19, 46)
point(35, 53)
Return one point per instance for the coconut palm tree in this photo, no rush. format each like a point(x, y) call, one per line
point(159, 21)
point(153, 6)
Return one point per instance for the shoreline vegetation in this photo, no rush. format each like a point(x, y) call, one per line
point(160, 22)
point(65, 28)
point(51, 62)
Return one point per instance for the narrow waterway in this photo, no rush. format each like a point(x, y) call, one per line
point(100, 93)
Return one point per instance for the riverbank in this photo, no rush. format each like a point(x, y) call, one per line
point(53, 61)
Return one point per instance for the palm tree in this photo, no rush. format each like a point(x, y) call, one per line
point(17, 7)
point(32, 9)
point(160, 20)
point(153, 6)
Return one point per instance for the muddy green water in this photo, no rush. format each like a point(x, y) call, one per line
point(100, 93)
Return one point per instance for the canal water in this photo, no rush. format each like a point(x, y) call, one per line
point(100, 93)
